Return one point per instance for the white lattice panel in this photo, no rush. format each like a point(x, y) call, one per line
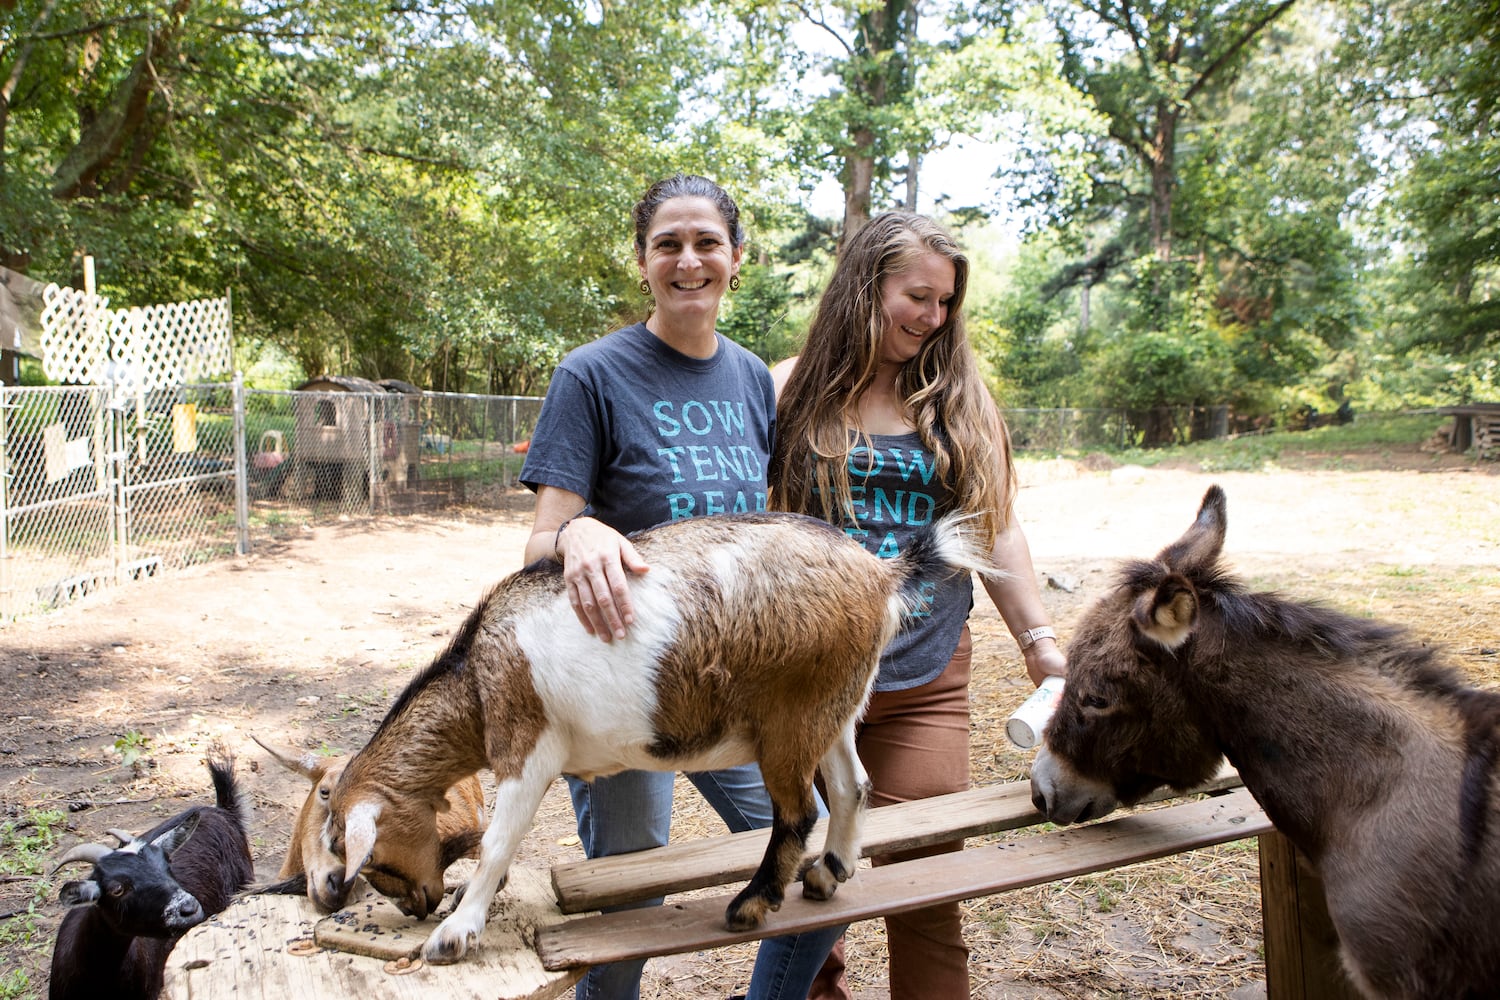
point(75, 337)
point(171, 344)
point(153, 347)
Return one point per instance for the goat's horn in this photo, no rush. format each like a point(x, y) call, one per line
point(306, 764)
point(83, 852)
point(123, 836)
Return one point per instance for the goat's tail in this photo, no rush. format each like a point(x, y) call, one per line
point(947, 546)
point(292, 885)
point(227, 792)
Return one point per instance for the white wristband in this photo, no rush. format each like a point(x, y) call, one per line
point(1028, 638)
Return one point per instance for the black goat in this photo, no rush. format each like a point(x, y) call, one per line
point(146, 894)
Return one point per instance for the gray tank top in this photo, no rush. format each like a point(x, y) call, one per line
point(895, 492)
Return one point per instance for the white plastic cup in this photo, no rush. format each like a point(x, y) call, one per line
point(1025, 727)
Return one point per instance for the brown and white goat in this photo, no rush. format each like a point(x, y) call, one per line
point(756, 638)
point(126, 916)
point(311, 868)
point(1363, 747)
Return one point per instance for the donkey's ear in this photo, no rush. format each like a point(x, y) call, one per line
point(1167, 614)
point(1199, 547)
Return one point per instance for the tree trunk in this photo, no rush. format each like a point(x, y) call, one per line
point(107, 136)
point(859, 178)
point(1163, 166)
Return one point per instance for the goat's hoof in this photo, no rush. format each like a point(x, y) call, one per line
point(445, 949)
point(744, 918)
point(819, 883)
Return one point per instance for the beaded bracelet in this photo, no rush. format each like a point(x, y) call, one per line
point(557, 538)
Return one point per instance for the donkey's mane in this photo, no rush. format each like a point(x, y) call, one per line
point(1391, 651)
point(1244, 616)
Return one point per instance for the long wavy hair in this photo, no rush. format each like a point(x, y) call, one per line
point(940, 387)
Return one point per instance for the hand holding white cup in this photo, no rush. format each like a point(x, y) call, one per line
point(1025, 727)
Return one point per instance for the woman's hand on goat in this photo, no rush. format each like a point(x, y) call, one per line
point(596, 560)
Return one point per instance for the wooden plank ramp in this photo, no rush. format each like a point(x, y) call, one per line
point(697, 924)
point(601, 883)
point(280, 947)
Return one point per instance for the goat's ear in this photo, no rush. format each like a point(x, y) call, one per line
point(359, 836)
point(178, 835)
point(1167, 614)
point(75, 893)
point(1199, 548)
point(461, 845)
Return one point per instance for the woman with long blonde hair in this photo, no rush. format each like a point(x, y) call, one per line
point(883, 424)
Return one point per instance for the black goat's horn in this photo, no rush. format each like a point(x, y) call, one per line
point(83, 852)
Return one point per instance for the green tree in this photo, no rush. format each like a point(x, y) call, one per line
point(1427, 69)
point(431, 191)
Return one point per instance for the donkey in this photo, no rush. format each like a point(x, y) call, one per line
point(757, 639)
point(1368, 752)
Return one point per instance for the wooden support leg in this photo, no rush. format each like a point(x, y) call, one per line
point(1302, 958)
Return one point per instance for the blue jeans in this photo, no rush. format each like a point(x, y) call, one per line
point(632, 811)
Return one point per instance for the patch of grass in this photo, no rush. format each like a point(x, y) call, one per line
point(1251, 453)
point(132, 747)
point(24, 846)
point(356, 704)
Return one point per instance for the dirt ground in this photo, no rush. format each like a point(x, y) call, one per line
point(306, 642)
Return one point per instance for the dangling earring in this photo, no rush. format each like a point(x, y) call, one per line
point(734, 282)
point(645, 288)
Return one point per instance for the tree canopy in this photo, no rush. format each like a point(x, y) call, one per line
point(1260, 202)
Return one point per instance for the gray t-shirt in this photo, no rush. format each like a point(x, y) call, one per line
point(894, 496)
point(646, 434)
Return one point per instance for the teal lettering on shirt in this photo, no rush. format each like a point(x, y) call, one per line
point(917, 464)
point(668, 425)
point(700, 418)
point(733, 422)
point(681, 505)
point(865, 462)
point(672, 455)
point(926, 594)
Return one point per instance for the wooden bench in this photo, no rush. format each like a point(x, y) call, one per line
point(256, 953)
point(1301, 949)
point(696, 924)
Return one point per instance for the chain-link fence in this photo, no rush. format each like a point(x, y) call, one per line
point(320, 455)
point(1080, 429)
point(99, 486)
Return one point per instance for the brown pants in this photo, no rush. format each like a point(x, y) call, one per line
point(915, 744)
